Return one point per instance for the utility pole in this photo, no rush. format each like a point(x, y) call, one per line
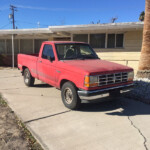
point(12, 15)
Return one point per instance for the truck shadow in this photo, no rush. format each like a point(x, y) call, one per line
point(120, 107)
point(43, 85)
point(99, 105)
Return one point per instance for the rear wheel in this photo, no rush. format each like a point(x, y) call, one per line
point(28, 79)
point(69, 96)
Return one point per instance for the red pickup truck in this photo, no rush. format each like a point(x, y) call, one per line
point(75, 69)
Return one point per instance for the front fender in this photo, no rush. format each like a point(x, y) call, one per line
point(75, 78)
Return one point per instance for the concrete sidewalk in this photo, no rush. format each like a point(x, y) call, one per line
point(115, 125)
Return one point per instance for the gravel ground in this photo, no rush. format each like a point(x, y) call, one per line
point(141, 90)
point(13, 133)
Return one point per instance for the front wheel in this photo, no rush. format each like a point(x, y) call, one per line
point(28, 79)
point(69, 96)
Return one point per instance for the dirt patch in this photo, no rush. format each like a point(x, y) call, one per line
point(13, 133)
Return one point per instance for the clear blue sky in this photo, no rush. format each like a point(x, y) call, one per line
point(68, 12)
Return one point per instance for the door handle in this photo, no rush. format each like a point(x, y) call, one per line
point(40, 61)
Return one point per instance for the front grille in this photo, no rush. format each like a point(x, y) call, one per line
point(114, 78)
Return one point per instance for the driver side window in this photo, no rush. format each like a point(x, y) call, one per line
point(48, 51)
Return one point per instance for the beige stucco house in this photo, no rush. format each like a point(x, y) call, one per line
point(119, 42)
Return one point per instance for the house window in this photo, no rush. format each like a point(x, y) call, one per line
point(2, 46)
point(115, 40)
point(26, 46)
point(37, 44)
point(80, 37)
point(119, 40)
point(111, 41)
point(9, 46)
point(97, 40)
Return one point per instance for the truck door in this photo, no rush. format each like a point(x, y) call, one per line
point(45, 66)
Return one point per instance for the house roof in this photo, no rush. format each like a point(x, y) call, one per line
point(66, 30)
point(25, 31)
point(95, 27)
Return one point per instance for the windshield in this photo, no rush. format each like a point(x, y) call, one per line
point(75, 51)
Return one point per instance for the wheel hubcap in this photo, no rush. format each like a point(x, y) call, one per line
point(68, 96)
point(27, 76)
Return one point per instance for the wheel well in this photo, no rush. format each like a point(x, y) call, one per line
point(64, 81)
point(23, 68)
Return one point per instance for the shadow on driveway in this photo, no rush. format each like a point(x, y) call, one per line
point(43, 85)
point(120, 107)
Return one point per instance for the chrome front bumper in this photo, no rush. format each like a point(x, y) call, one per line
point(122, 88)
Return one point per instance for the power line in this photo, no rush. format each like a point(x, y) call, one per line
point(12, 15)
point(31, 23)
point(4, 26)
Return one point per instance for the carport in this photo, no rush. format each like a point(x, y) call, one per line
point(25, 41)
point(111, 37)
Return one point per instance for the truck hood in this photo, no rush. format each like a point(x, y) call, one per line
point(95, 66)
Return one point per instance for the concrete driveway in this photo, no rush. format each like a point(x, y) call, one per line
point(122, 124)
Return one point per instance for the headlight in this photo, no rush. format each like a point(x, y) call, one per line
point(91, 81)
point(130, 76)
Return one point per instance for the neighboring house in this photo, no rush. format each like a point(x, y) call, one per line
point(112, 41)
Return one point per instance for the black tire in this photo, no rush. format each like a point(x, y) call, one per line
point(28, 79)
point(69, 96)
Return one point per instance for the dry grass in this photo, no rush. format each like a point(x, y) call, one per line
point(13, 133)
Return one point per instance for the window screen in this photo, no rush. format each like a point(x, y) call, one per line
point(9, 46)
point(48, 51)
point(37, 44)
point(97, 40)
point(2, 46)
point(26, 46)
point(111, 41)
point(80, 37)
point(119, 40)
